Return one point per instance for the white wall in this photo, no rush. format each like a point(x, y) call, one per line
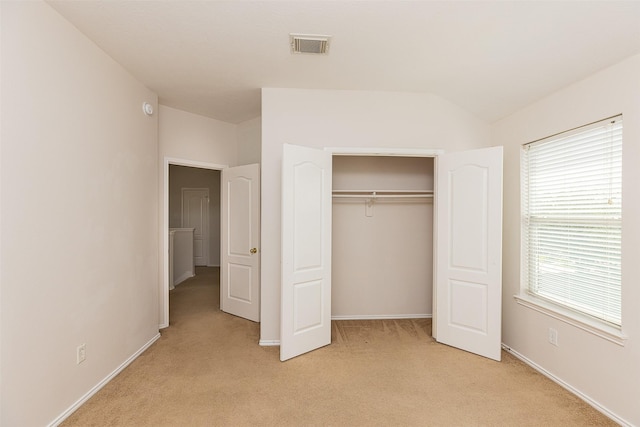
point(187, 177)
point(249, 141)
point(602, 371)
point(79, 224)
point(181, 255)
point(196, 140)
point(189, 136)
point(319, 118)
point(1, 135)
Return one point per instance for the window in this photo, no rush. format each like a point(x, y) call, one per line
point(572, 220)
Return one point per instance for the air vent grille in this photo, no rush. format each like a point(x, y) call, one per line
point(306, 43)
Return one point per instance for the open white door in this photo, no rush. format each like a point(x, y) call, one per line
point(468, 279)
point(240, 242)
point(305, 321)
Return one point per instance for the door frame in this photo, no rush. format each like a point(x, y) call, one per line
point(386, 152)
point(164, 230)
point(401, 152)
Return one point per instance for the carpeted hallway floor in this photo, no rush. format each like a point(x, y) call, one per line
point(208, 370)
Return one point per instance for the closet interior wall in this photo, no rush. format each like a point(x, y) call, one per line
point(382, 243)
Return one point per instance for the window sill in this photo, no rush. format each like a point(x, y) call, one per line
point(594, 327)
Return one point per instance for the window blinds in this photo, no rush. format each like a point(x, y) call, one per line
point(572, 219)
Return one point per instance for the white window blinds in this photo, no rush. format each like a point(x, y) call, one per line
point(572, 219)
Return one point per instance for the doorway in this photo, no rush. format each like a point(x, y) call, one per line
point(382, 237)
point(167, 219)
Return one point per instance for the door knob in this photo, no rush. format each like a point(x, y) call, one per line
point(253, 250)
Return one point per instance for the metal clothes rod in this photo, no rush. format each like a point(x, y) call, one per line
point(382, 194)
point(384, 191)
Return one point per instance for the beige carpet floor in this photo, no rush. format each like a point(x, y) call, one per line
point(208, 370)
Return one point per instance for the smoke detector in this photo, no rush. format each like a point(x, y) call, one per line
point(309, 43)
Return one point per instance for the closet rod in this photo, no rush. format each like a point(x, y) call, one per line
point(383, 191)
point(384, 196)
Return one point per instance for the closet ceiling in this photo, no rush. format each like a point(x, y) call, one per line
point(489, 57)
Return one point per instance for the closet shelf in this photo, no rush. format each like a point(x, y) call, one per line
point(371, 194)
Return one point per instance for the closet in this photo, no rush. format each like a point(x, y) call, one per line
point(381, 262)
point(382, 237)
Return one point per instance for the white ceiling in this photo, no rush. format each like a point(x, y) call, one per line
point(491, 58)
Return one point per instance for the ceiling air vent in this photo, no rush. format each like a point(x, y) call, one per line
point(309, 43)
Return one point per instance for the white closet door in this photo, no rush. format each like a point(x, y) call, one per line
point(305, 322)
point(469, 251)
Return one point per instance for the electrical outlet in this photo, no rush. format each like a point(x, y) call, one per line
point(553, 336)
point(81, 353)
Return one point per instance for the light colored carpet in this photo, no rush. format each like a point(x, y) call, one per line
point(208, 370)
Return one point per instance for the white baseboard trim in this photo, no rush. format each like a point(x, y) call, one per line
point(381, 316)
point(185, 276)
point(568, 387)
point(213, 265)
point(268, 343)
point(102, 383)
point(163, 325)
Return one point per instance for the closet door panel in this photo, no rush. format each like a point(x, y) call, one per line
point(469, 251)
point(469, 187)
point(305, 319)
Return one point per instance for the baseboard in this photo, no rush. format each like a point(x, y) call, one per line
point(212, 265)
point(568, 387)
point(102, 383)
point(183, 277)
point(381, 316)
point(163, 325)
point(268, 343)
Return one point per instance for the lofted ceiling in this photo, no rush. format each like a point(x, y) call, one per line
point(489, 57)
